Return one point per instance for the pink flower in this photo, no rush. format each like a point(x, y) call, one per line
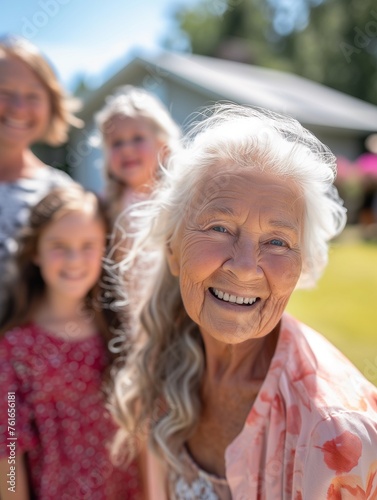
point(344, 487)
point(342, 453)
point(350, 487)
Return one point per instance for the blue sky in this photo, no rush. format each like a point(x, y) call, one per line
point(91, 37)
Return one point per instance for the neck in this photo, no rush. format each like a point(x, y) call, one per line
point(139, 190)
point(17, 163)
point(245, 362)
point(61, 309)
point(65, 318)
point(131, 195)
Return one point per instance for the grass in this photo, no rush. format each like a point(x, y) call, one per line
point(343, 307)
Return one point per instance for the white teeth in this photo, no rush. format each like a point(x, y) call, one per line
point(226, 297)
point(73, 276)
point(16, 123)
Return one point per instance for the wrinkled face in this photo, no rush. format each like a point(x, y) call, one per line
point(69, 255)
point(25, 108)
point(133, 150)
point(238, 254)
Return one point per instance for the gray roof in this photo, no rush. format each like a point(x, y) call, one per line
point(311, 103)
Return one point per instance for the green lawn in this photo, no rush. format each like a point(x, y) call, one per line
point(343, 307)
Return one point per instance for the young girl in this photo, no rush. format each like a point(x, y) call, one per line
point(137, 133)
point(53, 357)
point(33, 108)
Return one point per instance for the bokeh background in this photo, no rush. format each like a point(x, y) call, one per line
point(94, 45)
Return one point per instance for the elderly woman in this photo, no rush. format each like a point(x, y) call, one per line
point(238, 399)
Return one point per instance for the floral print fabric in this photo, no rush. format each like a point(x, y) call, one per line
point(61, 421)
point(194, 483)
point(312, 431)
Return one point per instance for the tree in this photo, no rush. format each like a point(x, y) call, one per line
point(339, 47)
point(333, 42)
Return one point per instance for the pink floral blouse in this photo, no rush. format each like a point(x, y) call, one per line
point(311, 433)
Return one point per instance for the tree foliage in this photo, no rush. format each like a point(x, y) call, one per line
point(333, 42)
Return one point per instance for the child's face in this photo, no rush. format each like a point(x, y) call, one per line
point(133, 148)
point(25, 108)
point(69, 255)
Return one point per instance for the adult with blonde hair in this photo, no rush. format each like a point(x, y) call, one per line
point(236, 398)
point(33, 108)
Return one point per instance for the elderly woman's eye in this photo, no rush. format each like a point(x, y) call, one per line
point(219, 229)
point(277, 242)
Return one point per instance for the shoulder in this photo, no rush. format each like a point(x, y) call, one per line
point(55, 178)
point(310, 356)
point(328, 410)
point(316, 384)
point(26, 192)
point(18, 336)
point(342, 451)
point(16, 348)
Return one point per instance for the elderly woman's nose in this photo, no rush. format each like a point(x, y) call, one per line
point(244, 261)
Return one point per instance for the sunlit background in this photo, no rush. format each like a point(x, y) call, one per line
point(90, 40)
point(93, 46)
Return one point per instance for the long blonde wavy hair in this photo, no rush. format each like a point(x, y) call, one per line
point(134, 102)
point(157, 392)
point(62, 105)
point(26, 285)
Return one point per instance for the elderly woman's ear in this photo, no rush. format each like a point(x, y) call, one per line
point(171, 254)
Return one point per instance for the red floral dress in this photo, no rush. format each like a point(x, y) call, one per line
point(60, 419)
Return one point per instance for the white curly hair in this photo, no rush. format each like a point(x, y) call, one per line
point(157, 390)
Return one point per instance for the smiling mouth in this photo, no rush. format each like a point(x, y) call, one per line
point(130, 163)
point(16, 124)
point(73, 277)
point(233, 299)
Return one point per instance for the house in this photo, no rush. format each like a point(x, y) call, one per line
point(187, 82)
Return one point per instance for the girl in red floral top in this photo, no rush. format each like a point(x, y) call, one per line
point(54, 443)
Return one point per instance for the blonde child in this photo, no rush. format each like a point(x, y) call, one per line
point(33, 108)
point(53, 357)
point(137, 134)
